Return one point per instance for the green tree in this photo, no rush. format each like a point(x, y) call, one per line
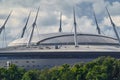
point(31, 75)
point(45, 74)
point(102, 68)
point(112, 67)
point(66, 73)
point(14, 73)
point(55, 73)
point(78, 71)
point(97, 73)
point(3, 73)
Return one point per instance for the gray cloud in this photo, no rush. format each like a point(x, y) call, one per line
point(49, 14)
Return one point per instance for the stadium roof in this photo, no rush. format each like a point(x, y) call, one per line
point(67, 39)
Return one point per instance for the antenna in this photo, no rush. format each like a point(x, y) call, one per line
point(3, 26)
point(33, 26)
point(114, 26)
point(98, 29)
point(75, 29)
point(60, 28)
point(23, 31)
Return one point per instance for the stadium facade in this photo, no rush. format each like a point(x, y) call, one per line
point(55, 49)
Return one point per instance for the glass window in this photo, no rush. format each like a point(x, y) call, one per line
point(27, 61)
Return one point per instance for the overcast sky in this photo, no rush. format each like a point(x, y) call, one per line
point(48, 19)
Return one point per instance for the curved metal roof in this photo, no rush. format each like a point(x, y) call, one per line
point(86, 39)
point(68, 39)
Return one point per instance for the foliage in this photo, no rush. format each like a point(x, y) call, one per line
point(31, 75)
point(12, 73)
point(102, 68)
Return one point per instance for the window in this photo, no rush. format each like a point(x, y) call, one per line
point(27, 61)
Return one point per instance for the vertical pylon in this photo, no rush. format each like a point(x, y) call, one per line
point(60, 28)
point(3, 26)
point(98, 28)
point(114, 26)
point(23, 31)
point(33, 27)
point(75, 29)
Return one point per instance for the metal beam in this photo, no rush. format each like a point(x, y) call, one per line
point(114, 26)
point(60, 28)
point(33, 27)
point(23, 31)
point(75, 29)
point(3, 26)
point(98, 28)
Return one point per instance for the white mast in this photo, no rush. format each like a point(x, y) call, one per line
point(60, 28)
point(3, 26)
point(98, 28)
point(75, 29)
point(114, 27)
point(23, 31)
point(33, 27)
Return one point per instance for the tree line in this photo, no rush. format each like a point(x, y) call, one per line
point(102, 68)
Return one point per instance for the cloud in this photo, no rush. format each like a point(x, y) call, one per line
point(114, 8)
point(106, 21)
point(48, 20)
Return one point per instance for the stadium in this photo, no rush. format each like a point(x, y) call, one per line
point(55, 49)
